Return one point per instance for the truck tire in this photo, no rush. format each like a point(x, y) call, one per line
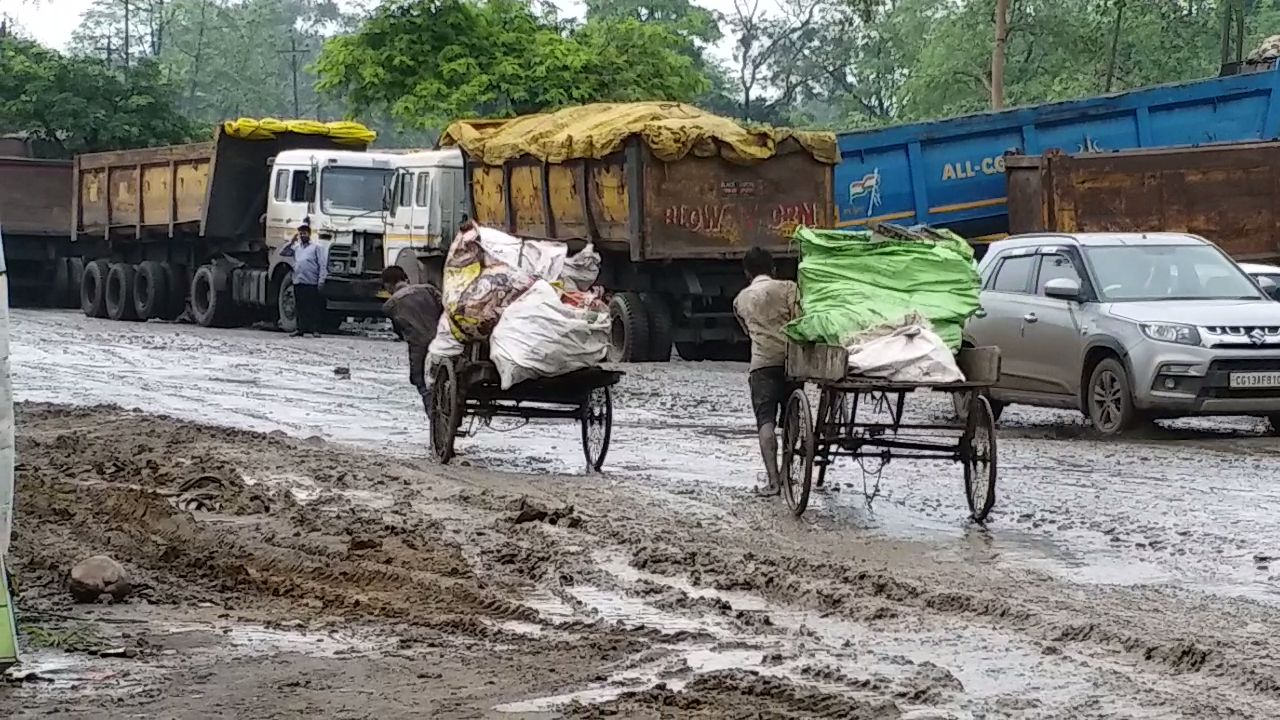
point(150, 291)
point(75, 266)
point(629, 333)
point(331, 321)
point(175, 283)
point(286, 306)
point(93, 289)
point(433, 272)
point(661, 327)
point(691, 351)
point(120, 279)
point(210, 307)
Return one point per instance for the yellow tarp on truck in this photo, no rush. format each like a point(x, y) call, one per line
point(342, 132)
point(671, 130)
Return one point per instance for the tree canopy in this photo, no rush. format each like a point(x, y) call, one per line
point(429, 61)
point(73, 104)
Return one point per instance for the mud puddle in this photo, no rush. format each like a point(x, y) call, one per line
point(960, 670)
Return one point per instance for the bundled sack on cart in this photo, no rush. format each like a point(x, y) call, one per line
point(896, 299)
point(548, 332)
point(487, 269)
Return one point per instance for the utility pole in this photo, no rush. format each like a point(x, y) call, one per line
point(293, 52)
point(126, 34)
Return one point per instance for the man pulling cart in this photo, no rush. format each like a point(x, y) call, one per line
point(881, 318)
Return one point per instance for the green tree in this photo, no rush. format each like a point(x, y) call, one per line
point(426, 62)
point(78, 104)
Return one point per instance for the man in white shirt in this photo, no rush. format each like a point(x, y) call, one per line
point(763, 308)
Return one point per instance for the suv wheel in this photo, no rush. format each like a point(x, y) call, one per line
point(1109, 398)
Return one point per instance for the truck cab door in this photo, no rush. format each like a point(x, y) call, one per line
point(409, 220)
point(286, 205)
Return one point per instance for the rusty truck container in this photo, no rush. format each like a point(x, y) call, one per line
point(215, 189)
point(35, 196)
point(35, 214)
point(632, 202)
point(1225, 193)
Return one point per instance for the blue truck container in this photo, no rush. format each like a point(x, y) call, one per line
point(950, 173)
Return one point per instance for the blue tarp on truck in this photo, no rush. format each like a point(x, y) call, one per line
point(950, 173)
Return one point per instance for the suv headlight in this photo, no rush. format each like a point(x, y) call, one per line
point(1172, 333)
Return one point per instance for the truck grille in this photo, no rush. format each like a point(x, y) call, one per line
point(343, 253)
point(371, 243)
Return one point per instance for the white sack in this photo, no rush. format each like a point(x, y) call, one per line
point(581, 270)
point(539, 258)
point(444, 345)
point(539, 336)
point(909, 353)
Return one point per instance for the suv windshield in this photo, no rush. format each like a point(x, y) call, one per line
point(352, 191)
point(1167, 272)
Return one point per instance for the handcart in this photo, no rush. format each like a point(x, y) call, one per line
point(466, 387)
point(839, 430)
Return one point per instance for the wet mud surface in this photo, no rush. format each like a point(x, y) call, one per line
point(297, 554)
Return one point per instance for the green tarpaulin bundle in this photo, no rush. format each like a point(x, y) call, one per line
point(854, 281)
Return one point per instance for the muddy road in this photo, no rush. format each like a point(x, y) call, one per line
point(299, 555)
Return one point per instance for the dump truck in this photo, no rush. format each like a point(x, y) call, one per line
point(199, 228)
point(1225, 193)
point(950, 173)
point(35, 213)
point(670, 196)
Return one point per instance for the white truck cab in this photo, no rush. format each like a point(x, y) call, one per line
point(341, 193)
point(424, 206)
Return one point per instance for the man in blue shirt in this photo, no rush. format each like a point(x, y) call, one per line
point(309, 268)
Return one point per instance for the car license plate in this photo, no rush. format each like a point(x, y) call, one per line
point(1255, 380)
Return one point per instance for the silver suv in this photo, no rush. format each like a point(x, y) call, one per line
point(1128, 327)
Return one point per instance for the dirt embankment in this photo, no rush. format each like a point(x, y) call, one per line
point(534, 596)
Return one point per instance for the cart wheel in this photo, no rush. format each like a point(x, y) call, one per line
point(978, 452)
point(797, 453)
point(446, 408)
point(597, 427)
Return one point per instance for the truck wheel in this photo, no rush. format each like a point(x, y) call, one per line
point(726, 351)
point(286, 305)
point(120, 292)
point(75, 266)
point(331, 322)
point(93, 289)
point(210, 307)
point(175, 300)
point(150, 290)
point(433, 272)
point(690, 351)
point(629, 337)
point(661, 327)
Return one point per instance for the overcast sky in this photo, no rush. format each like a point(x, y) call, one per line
point(52, 21)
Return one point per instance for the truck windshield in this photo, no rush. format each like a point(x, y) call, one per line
point(352, 191)
point(1131, 273)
